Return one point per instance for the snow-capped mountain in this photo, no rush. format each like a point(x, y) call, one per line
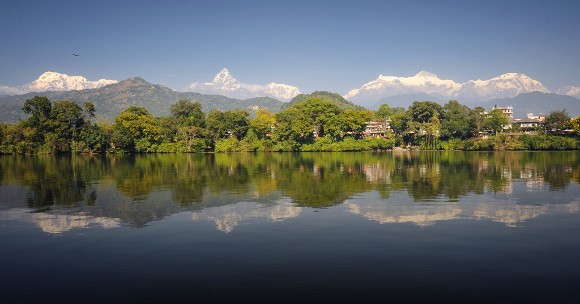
point(225, 84)
point(505, 86)
point(51, 81)
point(386, 86)
point(570, 91)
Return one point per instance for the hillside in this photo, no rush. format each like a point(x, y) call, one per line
point(115, 98)
point(324, 96)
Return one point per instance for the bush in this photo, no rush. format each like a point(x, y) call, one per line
point(229, 145)
point(142, 145)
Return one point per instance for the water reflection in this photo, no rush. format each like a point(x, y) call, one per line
point(60, 193)
point(228, 217)
point(58, 223)
point(474, 208)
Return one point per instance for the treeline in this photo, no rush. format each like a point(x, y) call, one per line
point(311, 125)
point(453, 126)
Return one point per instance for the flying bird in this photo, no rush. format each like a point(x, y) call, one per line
point(75, 55)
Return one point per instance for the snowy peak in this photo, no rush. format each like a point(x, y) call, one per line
point(225, 84)
point(51, 81)
point(283, 91)
point(422, 82)
point(425, 74)
point(570, 91)
point(225, 81)
point(505, 86)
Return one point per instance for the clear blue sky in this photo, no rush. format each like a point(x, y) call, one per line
point(313, 45)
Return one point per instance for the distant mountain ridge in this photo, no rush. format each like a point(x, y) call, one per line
point(112, 99)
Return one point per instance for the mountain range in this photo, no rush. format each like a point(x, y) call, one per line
point(52, 81)
point(508, 85)
point(114, 98)
point(111, 96)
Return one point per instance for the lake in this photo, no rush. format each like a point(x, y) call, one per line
point(403, 226)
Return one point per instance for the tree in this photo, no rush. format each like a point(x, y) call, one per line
point(423, 111)
point(557, 121)
point(67, 119)
point(456, 122)
point(355, 122)
point(292, 125)
point(132, 125)
point(89, 109)
point(400, 123)
point(263, 123)
point(477, 119)
point(39, 108)
point(216, 124)
point(168, 127)
point(94, 137)
point(234, 122)
point(188, 113)
point(576, 124)
point(321, 113)
point(496, 120)
point(237, 122)
point(384, 112)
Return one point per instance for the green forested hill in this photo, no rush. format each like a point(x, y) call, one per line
point(111, 100)
point(324, 96)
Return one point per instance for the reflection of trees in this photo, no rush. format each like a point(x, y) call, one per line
point(52, 180)
point(152, 186)
point(321, 179)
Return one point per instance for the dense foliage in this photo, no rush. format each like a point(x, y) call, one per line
point(333, 98)
point(310, 125)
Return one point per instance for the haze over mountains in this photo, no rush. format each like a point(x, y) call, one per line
point(393, 90)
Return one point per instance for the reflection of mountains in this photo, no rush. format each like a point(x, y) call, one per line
point(230, 216)
point(58, 223)
point(427, 214)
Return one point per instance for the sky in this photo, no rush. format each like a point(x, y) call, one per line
point(331, 46)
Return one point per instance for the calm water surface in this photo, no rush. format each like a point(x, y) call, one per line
point(310, 227)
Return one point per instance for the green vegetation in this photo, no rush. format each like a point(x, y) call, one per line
point(333, 98)
point(314, 124)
